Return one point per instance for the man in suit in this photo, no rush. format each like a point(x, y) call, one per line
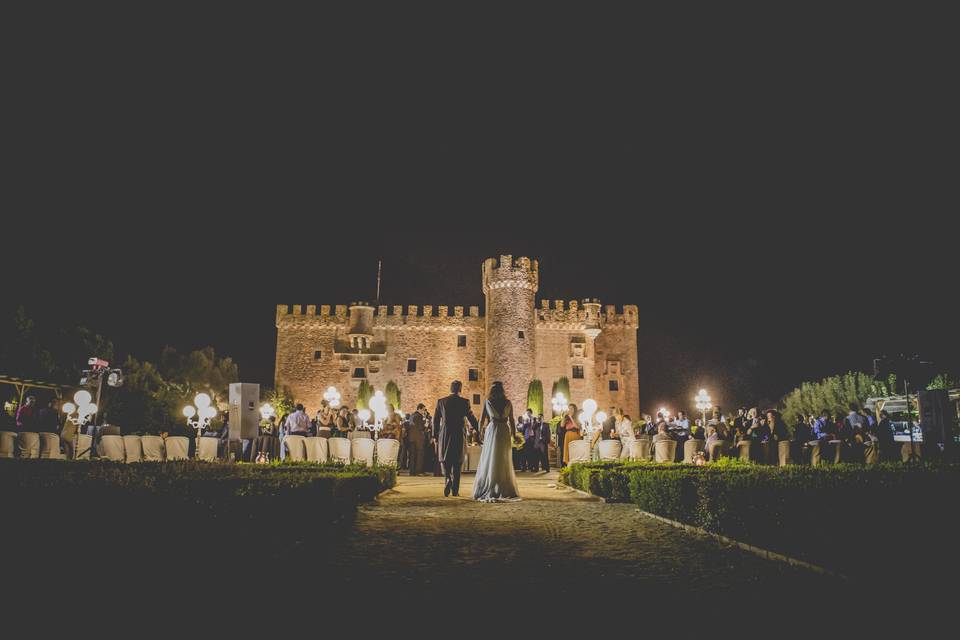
point(543, 444)
point(417, 440)
point(448, 424)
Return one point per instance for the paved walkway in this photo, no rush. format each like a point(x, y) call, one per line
point(557, 546)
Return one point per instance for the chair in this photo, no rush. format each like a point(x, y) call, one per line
point(111, 448)
point(132, 449)
point(579, 451)
point(153, 448)
point(471, 459)
point(665, 450)
point(690, 448)
point(640, 449)
point(626, 445)
point(177, 447)
point(362, 451)
point(388, 450)
point(28, 444)
point(783, 452)
point(8, 444)
point(207, 449)
point(50, 446)
point(294, 447)
point(906, 449)
point(84, 446)
point(317, 449)
point(716, 450)
point(339, 450)
point(871, 453)
point(743, 449)
point(609, 449)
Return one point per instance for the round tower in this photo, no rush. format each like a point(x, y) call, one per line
point(361, 325)
point(510, 288)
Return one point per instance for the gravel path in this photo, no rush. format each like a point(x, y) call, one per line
point(560, 548)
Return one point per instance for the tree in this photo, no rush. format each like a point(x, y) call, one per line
point(943, 381)
point(535, 397)
point(281, 400)
point(364, 393)
point(833, 394)
point(562, 386)
point(392, 392)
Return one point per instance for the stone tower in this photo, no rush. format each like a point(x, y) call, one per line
point(511, 356)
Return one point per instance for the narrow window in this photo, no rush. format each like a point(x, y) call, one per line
point(461, 341)
point(476, 398)
point(473, 375)
point(614, 385)
point(411, 365)
point(359, 372)
point(578, 372)
point(520, 335)
point(317, 355)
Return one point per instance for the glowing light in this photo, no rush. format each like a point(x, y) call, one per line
point(82, 397)
point(202, 400)
point(189, 411)
point(664, 412)
point(69, 407)
point(601, 417)
point(332, 396)
point(266, 411)
point(364, 415)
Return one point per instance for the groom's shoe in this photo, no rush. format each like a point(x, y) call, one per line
point(446, 490)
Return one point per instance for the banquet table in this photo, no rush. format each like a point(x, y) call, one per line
point(270, 445)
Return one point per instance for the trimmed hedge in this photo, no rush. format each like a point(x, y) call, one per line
point(843, 516)
point(179, 505)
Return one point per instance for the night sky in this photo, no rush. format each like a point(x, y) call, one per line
point(777, 216)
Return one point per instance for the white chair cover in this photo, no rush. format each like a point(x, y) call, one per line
point(362, 451)
point(783, 452)
point(207, 449)
point(666, 450)
point(388, 450)
point(717, 450)
point(690, 448)
point(28, 443)
point(8, 444)
point(296, 447)
point(50, 446)
point(153, 448)
point(317, 449)
point(609, 449)
point(579, 451)
point(471, 460)
point(84, 447)
point(132, 449)
point(177, 447)
point(744, 447)
point(905, 450)
point(111, 448)
point(339, 450)
point(626, 446)
point(640, 449)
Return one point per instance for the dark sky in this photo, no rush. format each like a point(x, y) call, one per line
point(779, 207)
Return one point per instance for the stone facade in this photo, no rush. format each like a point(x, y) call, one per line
point(424, 349)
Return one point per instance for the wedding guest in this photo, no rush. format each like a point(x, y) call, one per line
point(711, 437)
point(342, 425)
point(543, 445)
point(572, 431)
point(25, 414)
point(609, 429)
point(325, 420)
point(625, 433)
point(561, 432)
point(662, 433)
point(48, 418)
point(417, 440)
point(757, 428)
point(530, 429)
point(391, 426)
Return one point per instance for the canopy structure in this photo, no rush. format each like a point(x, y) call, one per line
point(898, 404)
point(22, 384)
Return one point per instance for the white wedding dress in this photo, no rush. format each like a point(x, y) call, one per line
point(495, 480)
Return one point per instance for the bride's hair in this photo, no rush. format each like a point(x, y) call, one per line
point(497, 396)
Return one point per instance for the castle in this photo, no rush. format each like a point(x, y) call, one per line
point(426, 348)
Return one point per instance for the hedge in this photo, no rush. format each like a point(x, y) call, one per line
point(115, 507)
point(844, 516)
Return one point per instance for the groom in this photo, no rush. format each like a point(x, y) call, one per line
point(448, 425)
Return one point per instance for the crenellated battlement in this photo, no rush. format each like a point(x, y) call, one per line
point(506, 272)
point(380, 315)
point(569, 315)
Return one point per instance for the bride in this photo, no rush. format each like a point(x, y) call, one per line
point(495, 480)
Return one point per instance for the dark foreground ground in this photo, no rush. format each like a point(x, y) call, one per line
point(416, 563)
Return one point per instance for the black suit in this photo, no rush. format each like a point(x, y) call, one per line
point(416, 443)
point(448, 423)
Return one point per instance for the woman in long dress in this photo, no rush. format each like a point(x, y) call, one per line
point(495, 480)
point(569, 423)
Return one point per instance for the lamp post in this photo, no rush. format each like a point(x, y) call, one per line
point(559, 403)
point(703, 403)
point(199, 414)
point(79, 414)
point(332, 396)
point(378, 403)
